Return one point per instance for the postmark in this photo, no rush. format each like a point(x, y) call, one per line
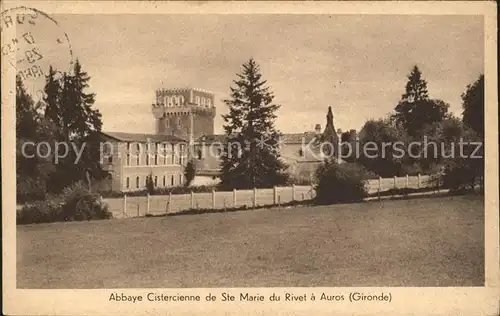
point(32, 41)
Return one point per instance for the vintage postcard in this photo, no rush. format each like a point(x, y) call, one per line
point(250, 158)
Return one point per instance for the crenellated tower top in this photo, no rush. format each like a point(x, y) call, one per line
point(185, 112)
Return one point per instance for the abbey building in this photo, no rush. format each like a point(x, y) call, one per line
point(184, 130)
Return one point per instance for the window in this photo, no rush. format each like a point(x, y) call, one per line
point(110, 160)
point(181, 100)
point(127, 162)
point(180, 179)
point(138, 153)
point(173, 154)
point(158, 146)
point(178, 121)
point(175, 100)
point(209, 103)
point(127, 183)
point(167, 122)
point(137, 182)
point(164, 180)
point(181, 153)
point(197, 100)
point(156, 181)
point(172, 180)
point(199, 154)
point(202, 101)
point(301, 152)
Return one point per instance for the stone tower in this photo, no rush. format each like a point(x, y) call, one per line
point(187, 113)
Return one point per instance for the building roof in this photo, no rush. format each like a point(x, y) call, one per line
point(140, 137)
point(290, 138)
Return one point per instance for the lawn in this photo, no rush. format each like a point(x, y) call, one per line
point(418, 242)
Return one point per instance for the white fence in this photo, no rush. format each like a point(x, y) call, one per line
point(133, 206)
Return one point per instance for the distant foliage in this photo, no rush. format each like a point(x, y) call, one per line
point(473, 106)
point(165, 191)
point(416, 109)
point(190, 172)
point(340, 183)
point(150, 186)
point(75, 203)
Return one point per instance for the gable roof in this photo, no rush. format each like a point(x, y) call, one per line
point(290, 138)
point(142, 138)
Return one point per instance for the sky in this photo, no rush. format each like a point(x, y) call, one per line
point(357, 64)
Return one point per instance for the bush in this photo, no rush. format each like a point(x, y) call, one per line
point(340, 183)
point(39, 212)
point(74, 203)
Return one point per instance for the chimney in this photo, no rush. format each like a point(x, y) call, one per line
point(317, 129)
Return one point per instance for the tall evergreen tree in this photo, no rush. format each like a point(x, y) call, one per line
point(69, 107)
point(473, 106)
point(32, 167)
point(251, 156)
point(415, 109)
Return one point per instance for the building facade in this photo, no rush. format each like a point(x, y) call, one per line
point(184, 131)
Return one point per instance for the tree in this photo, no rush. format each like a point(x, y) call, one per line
point(32, 168)
point(416, 109)
point(473, 106)
point(348, 145)
point(150, 186)
point(377, 139)
point(69, 107)
point(251, 158)
point(189, 172)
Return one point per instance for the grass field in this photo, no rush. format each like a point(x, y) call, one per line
point(419, 242)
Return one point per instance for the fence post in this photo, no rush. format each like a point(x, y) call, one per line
point(213, 199)
point(234, 198)
point(125, 205)
point(254, 197)
point(418, 180)
point(379, 186)
point(293, 192)
point(169, 206)
point(395, 184)
point(407, 181)
point(192, 200)
point(147, 204)
point(275, 195)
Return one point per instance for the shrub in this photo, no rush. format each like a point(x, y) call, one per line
point(85, 207)
point(40, 212)
point(74, 203)
point(190, 172)
point(340, 183)
point(150, 186)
